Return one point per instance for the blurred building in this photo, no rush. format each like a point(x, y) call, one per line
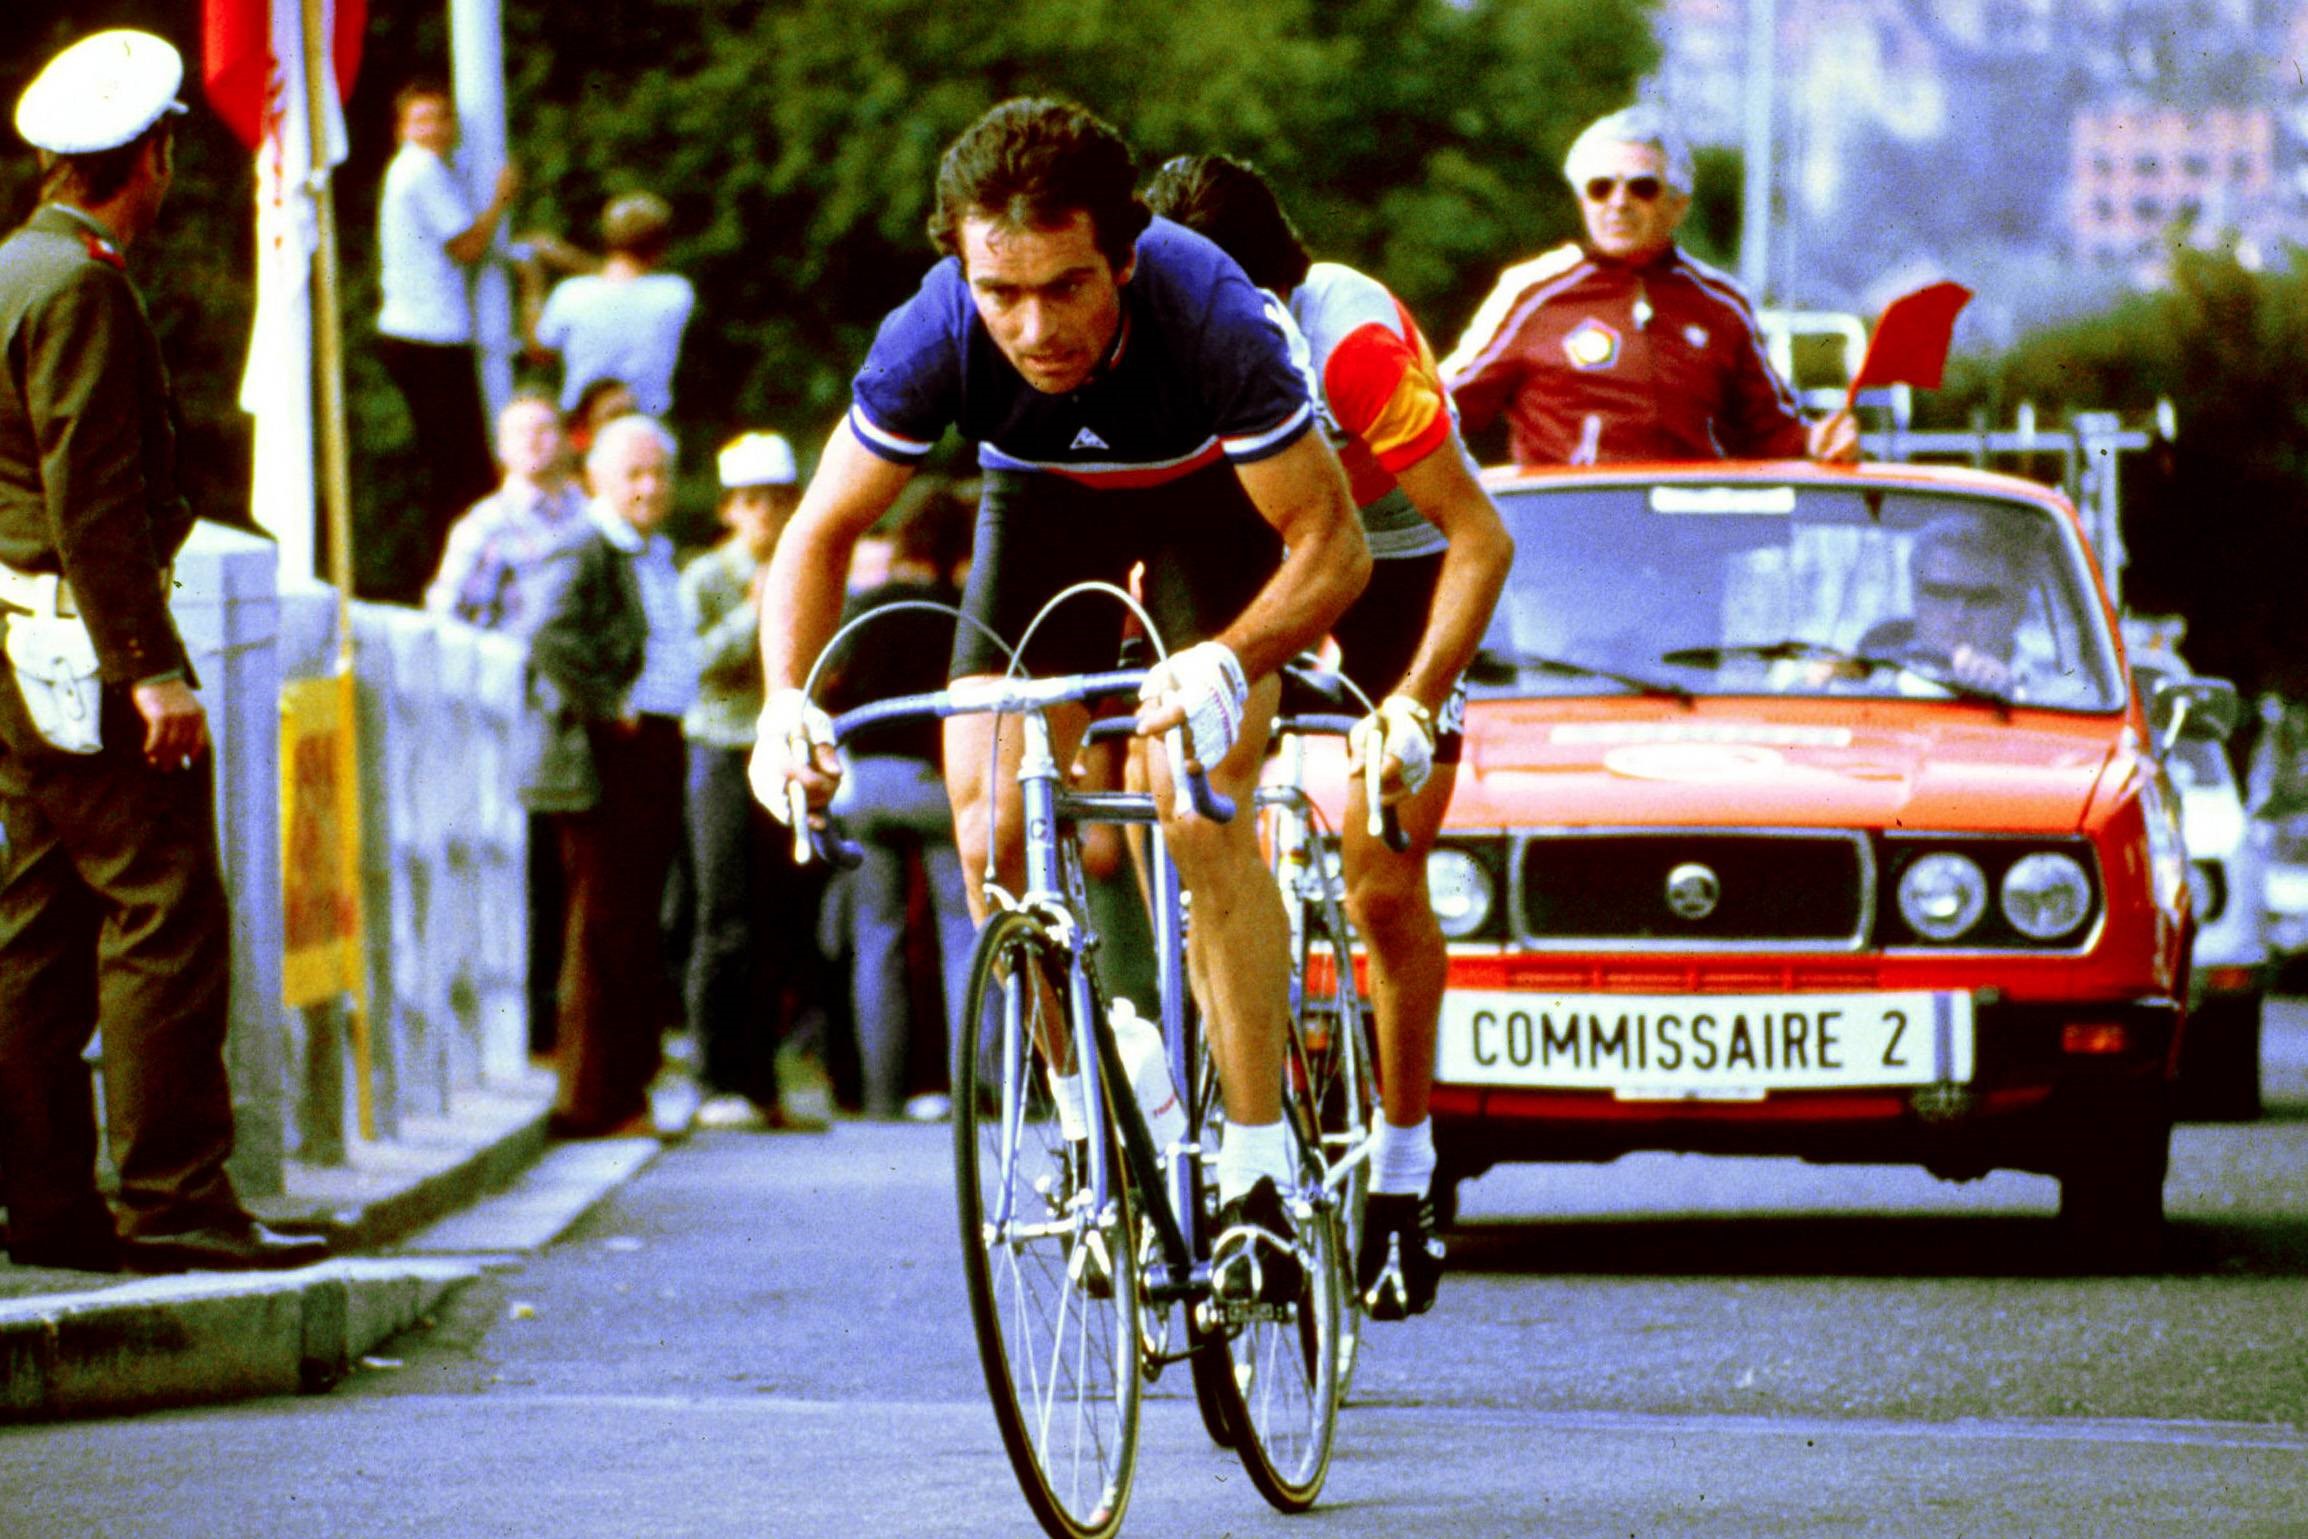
point(2009, 139)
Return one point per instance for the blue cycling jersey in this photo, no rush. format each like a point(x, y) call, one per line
point(1200, 370)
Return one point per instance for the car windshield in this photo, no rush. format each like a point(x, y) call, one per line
point(1759, 588)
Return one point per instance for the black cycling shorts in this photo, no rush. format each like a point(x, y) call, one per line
point(1379, 635)
point(1206, 548)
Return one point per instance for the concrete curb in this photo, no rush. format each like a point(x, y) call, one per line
point(169, 1341)
point(448, 1198)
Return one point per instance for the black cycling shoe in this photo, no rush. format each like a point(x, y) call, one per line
point(1255, 1258)
point(1401, 1261)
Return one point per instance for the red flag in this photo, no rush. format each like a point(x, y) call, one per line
point(1911, 340)
point(237, 59)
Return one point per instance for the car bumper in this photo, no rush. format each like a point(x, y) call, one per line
point(2046, 1075)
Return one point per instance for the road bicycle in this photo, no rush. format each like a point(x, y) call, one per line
point(1330, 1014)
point(1086, 1248)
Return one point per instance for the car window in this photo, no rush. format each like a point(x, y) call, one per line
point(1793, 590)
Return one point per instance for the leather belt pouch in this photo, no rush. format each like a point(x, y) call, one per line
point(56, 673)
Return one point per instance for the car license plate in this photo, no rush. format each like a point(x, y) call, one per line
point(1703, 1047)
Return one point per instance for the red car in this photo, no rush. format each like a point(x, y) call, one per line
point(1811, 811)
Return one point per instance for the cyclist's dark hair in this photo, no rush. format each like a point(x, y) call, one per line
point(1031, 163)
point(96, 177)
point(1232, 204)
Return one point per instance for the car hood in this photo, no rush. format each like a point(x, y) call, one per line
point(1537, 763)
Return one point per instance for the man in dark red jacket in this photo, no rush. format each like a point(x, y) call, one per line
point(1622, 346)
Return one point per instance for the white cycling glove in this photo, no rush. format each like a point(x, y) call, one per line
point(1402, 729)
point(784, 743)
point(1206, 681)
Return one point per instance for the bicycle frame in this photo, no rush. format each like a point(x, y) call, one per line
point(1055, 891)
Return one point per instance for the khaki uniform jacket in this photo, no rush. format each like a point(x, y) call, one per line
point(88, 482)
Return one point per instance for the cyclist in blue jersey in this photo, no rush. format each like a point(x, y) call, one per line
point(1133, 400)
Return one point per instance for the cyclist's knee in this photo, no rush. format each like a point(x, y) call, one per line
point(1388, 901)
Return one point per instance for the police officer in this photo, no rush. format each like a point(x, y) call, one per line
point(112, 904)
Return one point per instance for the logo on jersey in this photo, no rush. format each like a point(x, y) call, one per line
point(1591, 345)
point(1089, 440)
point(1696, 336)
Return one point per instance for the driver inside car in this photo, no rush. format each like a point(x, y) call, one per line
point(1971, 592)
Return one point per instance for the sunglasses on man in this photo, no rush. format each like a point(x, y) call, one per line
point(1643, 189)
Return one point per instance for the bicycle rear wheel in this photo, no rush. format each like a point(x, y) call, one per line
point(1051, 1269)
point(1334, 1025)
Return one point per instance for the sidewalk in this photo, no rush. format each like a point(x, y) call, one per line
point(409, 1222)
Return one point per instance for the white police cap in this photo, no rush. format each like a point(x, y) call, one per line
point(757, 459)
point(100, 93)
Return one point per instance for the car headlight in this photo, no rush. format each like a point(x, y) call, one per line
point(1942, 895)
point(2207, 890)
point(1461, 892)
point(2046, 895)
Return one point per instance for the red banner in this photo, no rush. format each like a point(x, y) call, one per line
point(1911, 340)
point(237, 58)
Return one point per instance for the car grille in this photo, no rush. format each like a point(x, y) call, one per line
point(1777, 889)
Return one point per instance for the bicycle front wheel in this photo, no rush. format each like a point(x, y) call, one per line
point(1334, 1026)
point(1050, 1263)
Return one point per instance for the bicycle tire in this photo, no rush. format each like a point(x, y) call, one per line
point(1283, 1377)
point(1212, 1370)
point(1053, 1300)
point(1277, 1389)
point(1334, 1026)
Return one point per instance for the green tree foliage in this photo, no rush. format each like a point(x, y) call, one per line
point(2214, 522)
point(798, 141)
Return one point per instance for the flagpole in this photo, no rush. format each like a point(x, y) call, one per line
point(337, 496)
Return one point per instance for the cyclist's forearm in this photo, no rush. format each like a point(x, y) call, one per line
point(1315, 584)
point(1474, 573)
point(808, 575)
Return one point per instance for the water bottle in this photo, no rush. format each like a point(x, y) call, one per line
point(1147, 1060)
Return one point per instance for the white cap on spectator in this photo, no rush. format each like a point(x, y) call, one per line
point(757, 459)
point(100, 93)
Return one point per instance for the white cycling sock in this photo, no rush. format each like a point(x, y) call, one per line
point(1402, 1161)
point(1249, 1151)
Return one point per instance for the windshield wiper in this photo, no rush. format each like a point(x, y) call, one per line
point(1495, 667)
point(1795, 649)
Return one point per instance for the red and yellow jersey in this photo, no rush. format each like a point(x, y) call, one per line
point(1382, 394)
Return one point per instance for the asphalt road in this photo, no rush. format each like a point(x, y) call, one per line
point(767, 1336)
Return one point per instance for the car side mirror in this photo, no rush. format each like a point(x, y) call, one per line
point(2208, 709)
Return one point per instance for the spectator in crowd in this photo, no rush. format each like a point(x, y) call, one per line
point(754, 967)
point(892, 799)
point(623, 322)
point(429, 236)
point(1623, 346)
point(615, 666)
point(113, 912)
point(490, 576)
point(489, 570)
point(598, 404)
